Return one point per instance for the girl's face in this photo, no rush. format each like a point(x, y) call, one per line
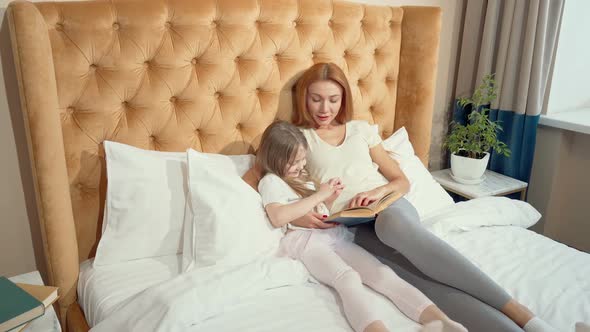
point(293, 169)
point(324, 99)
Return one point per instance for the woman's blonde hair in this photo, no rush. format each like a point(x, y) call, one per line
point(320, 72)
point(278, 148)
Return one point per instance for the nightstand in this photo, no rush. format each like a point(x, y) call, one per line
point(46, 323)
point(494, 184)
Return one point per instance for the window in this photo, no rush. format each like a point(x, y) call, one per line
point(568, 106)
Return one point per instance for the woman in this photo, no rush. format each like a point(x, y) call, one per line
point(348, 150)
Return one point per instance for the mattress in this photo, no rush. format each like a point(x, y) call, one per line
point(550, 278)
point(307, 307)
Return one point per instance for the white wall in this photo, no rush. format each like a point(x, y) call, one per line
point(20, 240)
point(560, 186)
point(17, 253)
point(571, 75)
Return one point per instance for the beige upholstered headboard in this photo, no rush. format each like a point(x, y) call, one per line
point(206, 74)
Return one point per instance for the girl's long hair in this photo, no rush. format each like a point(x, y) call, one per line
point(278, 148)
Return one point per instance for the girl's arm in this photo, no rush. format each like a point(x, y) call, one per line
point(282, 214)
point(338, 186)
point(313, 219)
point(398, 181)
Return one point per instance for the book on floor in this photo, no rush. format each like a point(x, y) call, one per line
point(17, 307)
point(362, 214)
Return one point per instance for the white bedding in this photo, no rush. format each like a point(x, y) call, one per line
point(298, 305)
point(553, 280)
point(306, 307)
point(101, 289)
point(548, 277)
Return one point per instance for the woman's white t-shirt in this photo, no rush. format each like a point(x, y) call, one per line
point(273, 189)
point(350, 161)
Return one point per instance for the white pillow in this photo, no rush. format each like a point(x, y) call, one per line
point(144, 209)
point(482, 212)
point(227, 164)
point(425, 194)
point(145, 203)
point(230, 225)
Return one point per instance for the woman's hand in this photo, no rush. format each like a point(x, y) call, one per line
point(367, 197)
point(313, 220)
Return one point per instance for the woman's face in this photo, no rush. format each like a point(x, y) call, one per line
point(293, 169)
point(324, 99)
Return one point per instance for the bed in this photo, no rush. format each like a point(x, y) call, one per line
point(208, 75)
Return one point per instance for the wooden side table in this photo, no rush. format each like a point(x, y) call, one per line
point(494, 184)
point(46, 323)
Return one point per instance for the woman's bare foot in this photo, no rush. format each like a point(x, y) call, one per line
point(517, 312)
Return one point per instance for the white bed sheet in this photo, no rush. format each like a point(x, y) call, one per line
point(307, 307)
point(101, 289)
point(553, 280)
point(549, 277)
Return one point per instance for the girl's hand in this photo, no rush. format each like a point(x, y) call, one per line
point(313, 220)
point(336, 183)
point(338, 186)
point(367, 197)
point(326, 190)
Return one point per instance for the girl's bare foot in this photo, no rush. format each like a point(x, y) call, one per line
point(376, 326)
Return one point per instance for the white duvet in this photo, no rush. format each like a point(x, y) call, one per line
point(548, 277)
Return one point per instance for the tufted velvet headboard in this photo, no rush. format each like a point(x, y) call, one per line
point(207, 74)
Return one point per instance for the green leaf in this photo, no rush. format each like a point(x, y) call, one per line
point(479, 135)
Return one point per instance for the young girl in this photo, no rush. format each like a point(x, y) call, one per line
point(329, 254)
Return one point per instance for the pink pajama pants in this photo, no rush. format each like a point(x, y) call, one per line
point(332, 258)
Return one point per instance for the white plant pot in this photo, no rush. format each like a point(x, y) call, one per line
point(468, 170)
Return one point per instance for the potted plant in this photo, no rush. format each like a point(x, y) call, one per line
point(470, 144)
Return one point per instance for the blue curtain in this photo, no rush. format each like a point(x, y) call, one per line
point(519, 133)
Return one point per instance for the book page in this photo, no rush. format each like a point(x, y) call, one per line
point(385, 201)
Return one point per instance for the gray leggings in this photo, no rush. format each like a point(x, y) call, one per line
point(438, 267)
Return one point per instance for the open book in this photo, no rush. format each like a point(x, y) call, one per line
point(362, 214)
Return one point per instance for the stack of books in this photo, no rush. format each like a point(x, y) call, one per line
point(21, 303)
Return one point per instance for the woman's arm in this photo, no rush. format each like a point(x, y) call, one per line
point(398, 181)
point(282, 214)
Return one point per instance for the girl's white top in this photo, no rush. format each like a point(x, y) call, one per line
point(273, 189)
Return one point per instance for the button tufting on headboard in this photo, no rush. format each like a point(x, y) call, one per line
point(207, 74)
